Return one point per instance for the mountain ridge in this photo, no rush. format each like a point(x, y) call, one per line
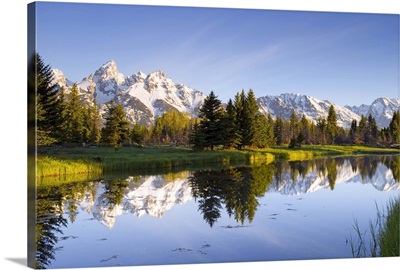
point(145, 97)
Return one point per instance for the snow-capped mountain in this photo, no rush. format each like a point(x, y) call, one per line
point(147, 96)
point(144, 97)
point(381, 109)
point(311, 107)
point(60, 79)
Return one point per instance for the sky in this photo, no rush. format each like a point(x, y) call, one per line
point(347, 58)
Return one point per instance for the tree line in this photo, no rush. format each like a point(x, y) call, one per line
point(240, 124)
point(64, 118)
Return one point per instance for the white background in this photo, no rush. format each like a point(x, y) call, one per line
point(13, 66)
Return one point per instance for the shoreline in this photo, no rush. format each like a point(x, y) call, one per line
point(93, 161)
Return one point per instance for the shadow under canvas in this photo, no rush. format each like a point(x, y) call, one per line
point(20, 261)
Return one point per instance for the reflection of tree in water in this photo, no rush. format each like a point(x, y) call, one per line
point(207, 186)
point(367, 166)
point(237, 188)
point(50, 204)
point(328, 167)
point(74, 193)
point(49, 221)
point(301, 168)
point(332, 172)
point(114, 192)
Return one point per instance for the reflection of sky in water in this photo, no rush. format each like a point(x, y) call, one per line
point(311, 225)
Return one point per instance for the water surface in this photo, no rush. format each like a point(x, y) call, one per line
point(280, 211)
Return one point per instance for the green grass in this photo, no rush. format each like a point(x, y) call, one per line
point(384, 234)
point(312, 151)
point(389, 234)
point(59, 161)
point(65, 161)
point(54, 166)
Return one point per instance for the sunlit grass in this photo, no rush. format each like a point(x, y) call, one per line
point(56, 161)
point(54, 166)
point(313, 151)
point(65, 161)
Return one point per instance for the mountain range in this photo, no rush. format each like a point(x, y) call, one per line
point(146, 97)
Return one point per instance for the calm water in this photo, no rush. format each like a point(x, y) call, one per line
point(282, 211)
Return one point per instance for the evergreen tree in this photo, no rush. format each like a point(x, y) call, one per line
point(197, 138)
point(86, 128)
point(304, 129)
point(211, 124)
point(74, 117)
point(63, 107)
point(47, 104)
point(116, 127)
point(353, 131)
point(321, 131)
point(371, 131)
point(294, 125)
point(260, 137)
point(239, 111)
point(95, 123)
point(313, 133)
point(394, 127)
point(331, 125)
point(232, 136)
point(278, 130)
point(249, 118)
point(271, 140)
point(362, 126)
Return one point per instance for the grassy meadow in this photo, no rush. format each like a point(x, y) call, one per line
point(60, 161)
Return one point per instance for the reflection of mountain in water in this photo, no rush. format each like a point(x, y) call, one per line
point(150, 195)
point(154, 195)
point(289, 184)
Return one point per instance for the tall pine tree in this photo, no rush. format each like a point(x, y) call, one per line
point(394, 127)
point(232, 136)
point(116, 127)
point(47, 104)
point(331, 125)
point(211, 125)
point(249, 118)
point(74, 118)
point(278, 130)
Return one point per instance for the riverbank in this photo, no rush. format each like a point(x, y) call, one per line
point(60, 161)
point(83, 160)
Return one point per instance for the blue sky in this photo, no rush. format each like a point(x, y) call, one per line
point(348, 58)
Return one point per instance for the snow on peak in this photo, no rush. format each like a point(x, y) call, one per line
point(158, 74)
point(109, 64)
point(381, 109)
point(109, 71)
point(60, 79)
point(311, 107)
